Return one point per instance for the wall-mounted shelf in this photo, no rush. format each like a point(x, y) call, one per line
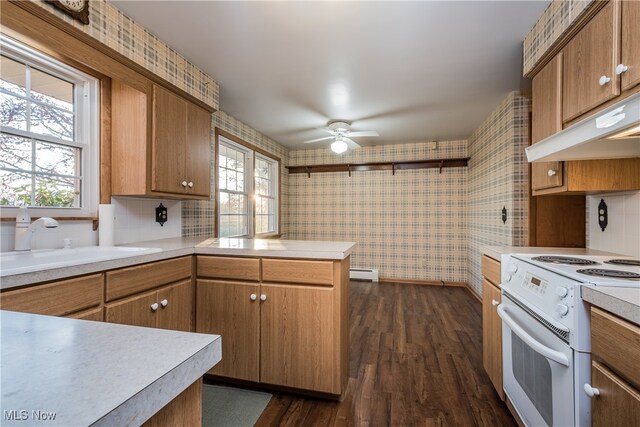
point(379, 166)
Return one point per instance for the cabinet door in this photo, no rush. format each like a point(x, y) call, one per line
point(226, 308)
point(199, 149)
point(630, 43)
point(591, 54)
point(297, 338)
point(618, 403)
point(546, 118)
point(492, 335)
point(176, 307)
point(168, 142)
point(136, 311)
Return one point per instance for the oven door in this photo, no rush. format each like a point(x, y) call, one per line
point(537, 368)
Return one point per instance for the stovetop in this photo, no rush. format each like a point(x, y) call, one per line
point(596, 270)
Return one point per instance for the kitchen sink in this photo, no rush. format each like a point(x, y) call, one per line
point(44, 259)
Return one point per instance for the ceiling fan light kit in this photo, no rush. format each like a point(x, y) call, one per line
point(341, 134)
point(339, 146)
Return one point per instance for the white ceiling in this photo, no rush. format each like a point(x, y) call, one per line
point(413, 71)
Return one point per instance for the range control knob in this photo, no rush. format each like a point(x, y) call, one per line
point(562, 292)
point(508, 277)
point(562, 309)
point(512, 269)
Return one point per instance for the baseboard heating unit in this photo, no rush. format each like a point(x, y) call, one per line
point(364, 274)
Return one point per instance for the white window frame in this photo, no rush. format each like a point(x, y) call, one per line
point(275, 187)
point(86, 128)
point(249, 180)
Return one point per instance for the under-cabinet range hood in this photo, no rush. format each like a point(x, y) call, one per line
point(609, 134)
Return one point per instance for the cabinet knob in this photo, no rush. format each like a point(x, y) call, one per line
point(184, 183)
point(621, 68)
point(495, 302)
point(591, 391)
point(164, 302)
point(190, 184)
point(552, 172)
point(253, 297)
point(604, 80)
point(263, 297)
point(154, 306)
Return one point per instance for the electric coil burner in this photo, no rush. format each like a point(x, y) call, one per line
point(617, 274)
point(564, 260)
point(631, 262)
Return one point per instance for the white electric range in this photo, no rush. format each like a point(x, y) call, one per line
point(546, 336)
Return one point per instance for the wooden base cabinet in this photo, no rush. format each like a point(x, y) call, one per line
point(298, 345)
point(615, 377)
point(232, 310)
point(288, 327)
point(170, 307)
point(491, 323)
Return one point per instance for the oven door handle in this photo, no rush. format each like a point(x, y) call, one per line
point(540, 348)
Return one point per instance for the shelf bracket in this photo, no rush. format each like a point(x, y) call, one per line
point(349, 169)
point(393, 168)
point(441, 165)
point(308, 171)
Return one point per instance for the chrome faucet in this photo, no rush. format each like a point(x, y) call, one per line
point(25, 229)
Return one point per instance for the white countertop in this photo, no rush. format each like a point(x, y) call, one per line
point(496, 252)
point(623, 302)
point(276, 248)
point(94, 373)
point(182, 246)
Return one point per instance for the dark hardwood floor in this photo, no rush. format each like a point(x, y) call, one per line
point(415, 360)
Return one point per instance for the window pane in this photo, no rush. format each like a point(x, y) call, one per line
point(262, 169)
point(13, 112)
point(51, 90)
point(260, 224)
point(57, 191)
point(262, 186)
point(237, 225)
point(13, 76)
point(15, 188)
point(231, 180)
point(15, 152)
point(239, 181)
point(57, 159)
point(50, 121)
point(224, 203)
point(224, 226)
point(222, 179)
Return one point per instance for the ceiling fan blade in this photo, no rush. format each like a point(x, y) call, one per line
point(318, 139)
point(351, 143)
point(331, 131)
point(363, 133)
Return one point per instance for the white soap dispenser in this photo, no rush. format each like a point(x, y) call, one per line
point(23, 221)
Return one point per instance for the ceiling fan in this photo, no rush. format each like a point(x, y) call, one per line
point(341, 133)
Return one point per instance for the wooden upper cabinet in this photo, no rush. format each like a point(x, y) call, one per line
point(630, 44)
point(199, 150)
point(589, 59)
point(546, 118)
point(160, 144)
point(169, 142)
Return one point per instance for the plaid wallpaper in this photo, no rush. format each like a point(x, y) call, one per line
point(498, 177)
point(555, 20)
point(198, 215)
point(412, 225)
point(110, 26)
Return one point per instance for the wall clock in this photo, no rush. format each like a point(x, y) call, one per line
point(77, 9)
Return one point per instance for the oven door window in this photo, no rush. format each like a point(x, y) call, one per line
point(533, 372)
